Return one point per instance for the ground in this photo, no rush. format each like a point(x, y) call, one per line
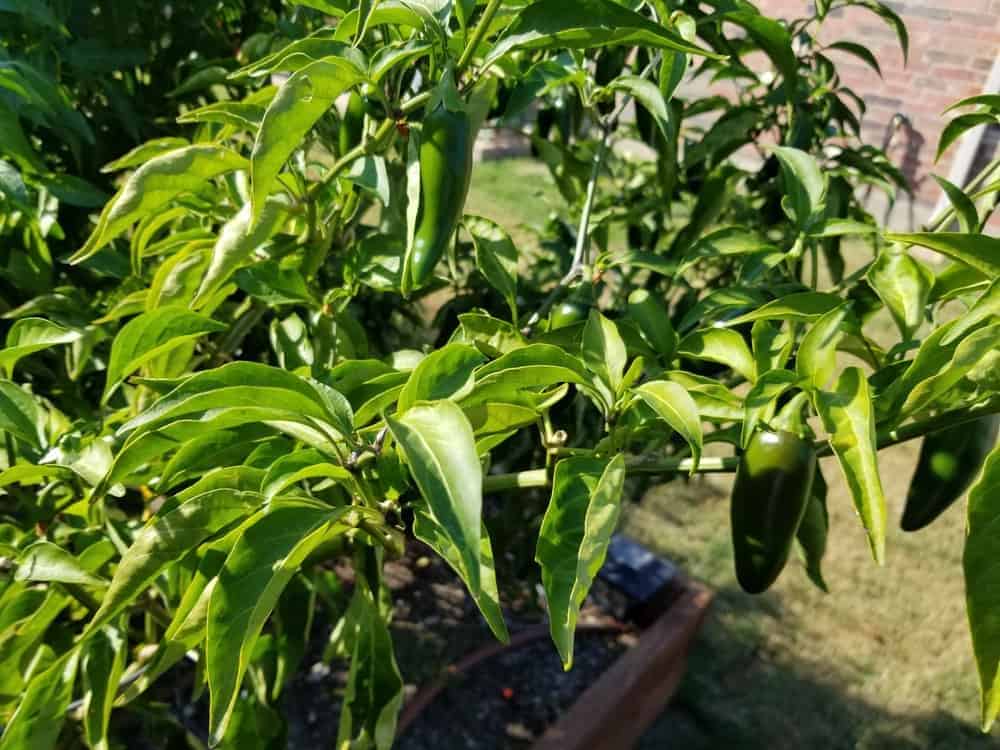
point(883, 661)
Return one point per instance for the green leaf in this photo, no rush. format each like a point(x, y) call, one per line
point(496, 258)
point(246, 386)
point(888, 15)
point(101, 666)
point(40, 714)
point(573, 541)
point(649, 95)
point(144, 152)
point(772, 346)
point(719, 345)
point(533, 366)
point(904, 286)
point(804, 184)
point(242, 115)
point(440, 448)
point(151, 335)
point(959, 126)
point(167, 538)
point(374, 691)
point(675, 406)
point(776, 42)
point(21, 415)
point(274, 284)
point(603, 350)
point(761, 400)
point(850, 422)
point(834, 227)
point(30, 335)
point(859, 51)
point(447, 373)
point(236, 243)
point(816, 359)
point(45, 561)
point(969, 353)
point(800, 307)
point(726, 241)
point(157, 182)
point(584, 24)
point(299, 103)
point(264, 558)
point(982, 584)
point(976, 250)
point(487, 597)
point(812, 532)
point(298, 466)
point(965, 208)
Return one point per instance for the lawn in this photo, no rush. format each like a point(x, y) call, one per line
point(883, 661)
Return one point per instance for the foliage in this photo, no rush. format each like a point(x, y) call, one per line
point(237, 379)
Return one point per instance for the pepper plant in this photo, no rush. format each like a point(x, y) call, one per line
point(296, 347)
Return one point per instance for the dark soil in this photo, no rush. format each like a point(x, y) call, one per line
point(506, 701)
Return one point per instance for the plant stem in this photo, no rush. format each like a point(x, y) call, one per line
point(477, 35)
point(582, 238)
point(518, 480)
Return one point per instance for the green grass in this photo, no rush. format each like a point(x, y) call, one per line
point(883, 661)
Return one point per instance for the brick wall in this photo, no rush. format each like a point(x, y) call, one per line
point(953, 46)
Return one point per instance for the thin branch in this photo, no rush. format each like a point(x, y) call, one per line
point(477, 36)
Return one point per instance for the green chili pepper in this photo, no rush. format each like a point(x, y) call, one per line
point(950, 461)
point(445, 173)
point(770, 496)
point(650, 314)
point(352, 124)
point(566, 314)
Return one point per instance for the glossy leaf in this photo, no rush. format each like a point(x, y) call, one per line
point(799, 307)
point(40, 714)
point(487, 597)
point(982, 584)
point(157, 182)
point(101, 668)
point(859, 51)
point(374, 691)
point(675, 406)
point(440, 449)
point(264, 558)
point(535, 365)
point(573, 541)
point(585, 24)
point(849, 420)
point(151, 335)
point(812, 533)
point(603, 350)
point(719, 345)
point(496, 258)
point(45, 561)
point(238, 239)
point(762, 399)
point(816, 360)
point(979, 251)
point(30, 335)
point(445, 373)
point(959, 127)
point(972, 350)
point(298, 466)
point(904, 286)
point(965, 208)
point(804, 183)
point(167, 538)
point(299, 103)
point(20, 414)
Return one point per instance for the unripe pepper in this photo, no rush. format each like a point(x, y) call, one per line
point(566, 314)
point(950, 461)
point(445, 173)
point(770, 496)
point(352, 124)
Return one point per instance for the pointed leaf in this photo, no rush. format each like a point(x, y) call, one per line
point(816, 360)
point(603, 350)
point(150, 335)
point(800, 307)
point(976, 250)
point(440, 448)
point(30, 335)
point(805, 185)
point(157, 182)
point(40, 714)
point(496, 258)
point(45, 561)
point(675, 406)
point(101, 667)
point(21, 415)
point(573, 541)
point(849, 420)
point(443, 374)
point(719, 345)
point(265, 557)
point(982, 584)
point(299, 103)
